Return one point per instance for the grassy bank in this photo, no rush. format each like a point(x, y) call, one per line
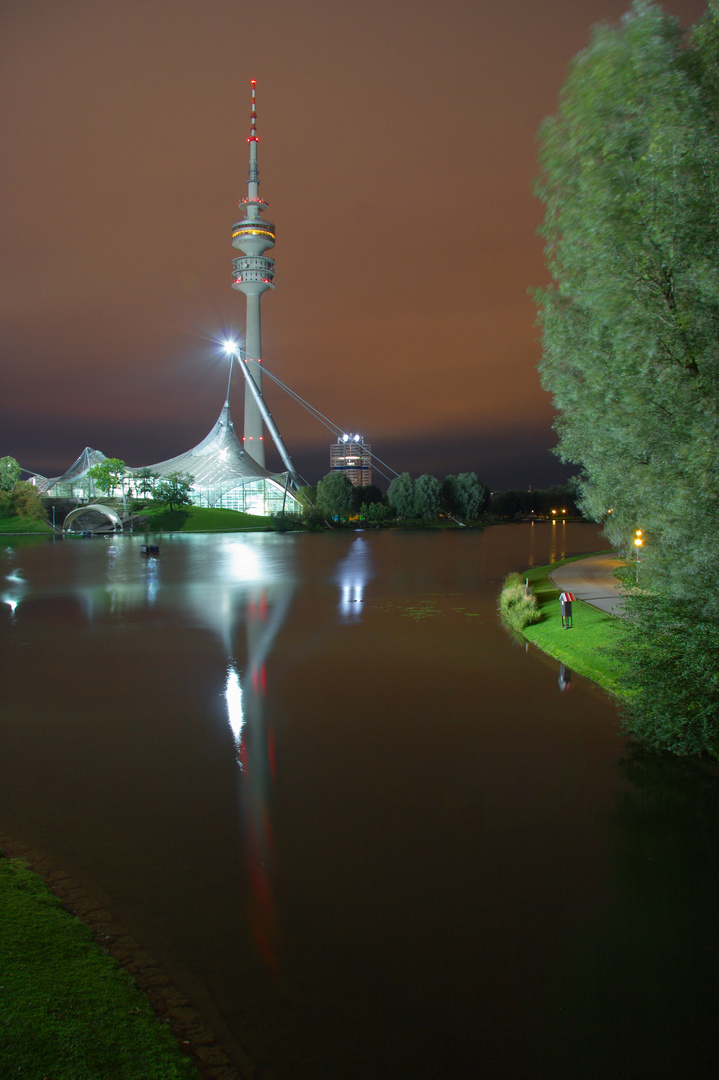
point(203, 519)
point(67, 1009)
point(23, 525)
point(589, 647)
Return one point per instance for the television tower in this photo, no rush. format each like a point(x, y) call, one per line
point(253, 274)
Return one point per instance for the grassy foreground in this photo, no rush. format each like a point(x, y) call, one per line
point(590, 648)
point(68, 1011)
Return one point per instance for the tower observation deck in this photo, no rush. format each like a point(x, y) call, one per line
point(253, 274)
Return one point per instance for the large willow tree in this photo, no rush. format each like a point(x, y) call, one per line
point(630, 181)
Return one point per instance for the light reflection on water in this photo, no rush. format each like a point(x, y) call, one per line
point(380, 844)
point(14, 585)
point(233, 697)
point(353, 573)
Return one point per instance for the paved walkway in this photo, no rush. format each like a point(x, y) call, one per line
point(592, 581)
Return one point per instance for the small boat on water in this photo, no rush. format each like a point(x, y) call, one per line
point(150, 549)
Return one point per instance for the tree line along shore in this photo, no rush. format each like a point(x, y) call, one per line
point(334, 501)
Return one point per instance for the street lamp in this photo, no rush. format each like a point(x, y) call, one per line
point(638, 541)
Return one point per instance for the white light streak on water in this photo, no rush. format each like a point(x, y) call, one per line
point(233, 698)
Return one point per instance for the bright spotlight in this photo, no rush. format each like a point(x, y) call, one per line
point(230, 347)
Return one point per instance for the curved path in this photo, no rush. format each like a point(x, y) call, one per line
point(592, 581)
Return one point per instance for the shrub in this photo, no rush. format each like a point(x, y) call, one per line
point(671, 675)
point(27, 503)
point(518, 605)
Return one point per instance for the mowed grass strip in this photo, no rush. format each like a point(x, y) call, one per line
point(592, 648)
point(68, 1011)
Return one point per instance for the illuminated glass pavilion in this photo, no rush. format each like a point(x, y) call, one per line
point(224, 475)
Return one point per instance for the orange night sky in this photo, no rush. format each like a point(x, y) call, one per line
point(397, 153)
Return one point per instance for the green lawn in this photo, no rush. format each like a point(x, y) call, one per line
point(587, 647)
point(68, 1011)
point(23, 525)
point(205, 519)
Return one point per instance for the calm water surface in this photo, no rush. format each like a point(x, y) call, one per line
point(366, 831)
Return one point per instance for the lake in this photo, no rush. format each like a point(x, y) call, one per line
point(366, 831)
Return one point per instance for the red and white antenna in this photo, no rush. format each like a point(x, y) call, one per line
point(253, 115)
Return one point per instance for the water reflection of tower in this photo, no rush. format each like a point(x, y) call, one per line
point(253, 274)
point(255, 743)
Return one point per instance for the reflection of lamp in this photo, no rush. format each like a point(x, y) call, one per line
point(233, 697)
point(353, 573)
point(15, 591)
point(351, 594)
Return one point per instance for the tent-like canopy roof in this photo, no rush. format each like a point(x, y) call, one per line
point(217, 462)
point(87, 459)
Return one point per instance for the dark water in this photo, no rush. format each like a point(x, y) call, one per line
point(363, 829)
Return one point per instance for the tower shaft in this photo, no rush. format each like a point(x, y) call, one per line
point(253, 275)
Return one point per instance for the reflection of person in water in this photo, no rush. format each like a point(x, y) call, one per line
point(565, 678)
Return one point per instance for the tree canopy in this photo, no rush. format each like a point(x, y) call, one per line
point(9, 473)
point(631, 324)
point(27, 503)
point(629, 168)
point(108, 474)
point(173, 490)
point(145, 481)
point(365, 494)
point(400, 495)
point(426, 497)
point(334, 495)
point(464, 496)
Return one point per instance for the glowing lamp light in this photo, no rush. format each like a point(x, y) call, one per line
point(230, 346)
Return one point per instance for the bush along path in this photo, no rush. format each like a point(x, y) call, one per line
point(592, 648)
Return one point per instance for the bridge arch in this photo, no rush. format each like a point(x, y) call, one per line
point(106, 512)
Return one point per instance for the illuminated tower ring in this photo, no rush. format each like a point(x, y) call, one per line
point(253, 275)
